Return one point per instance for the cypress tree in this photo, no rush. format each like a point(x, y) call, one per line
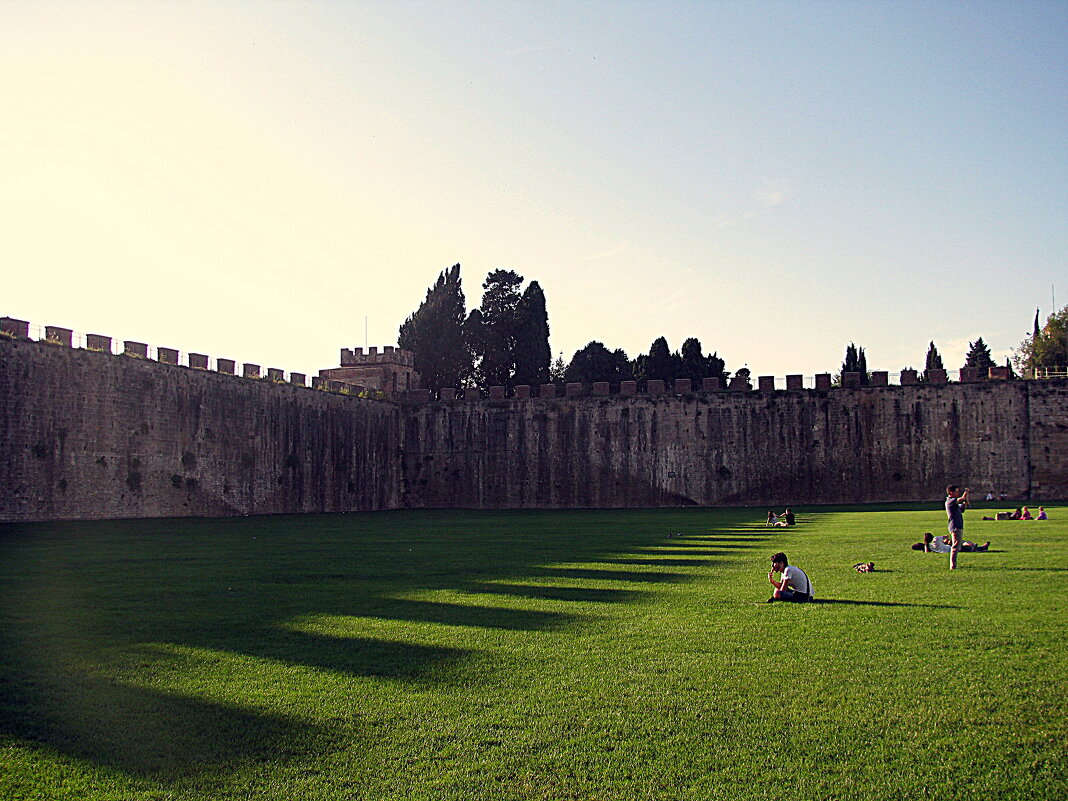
point(493, 332)
point(435, 334)
point(933, 362)
point(532, 353)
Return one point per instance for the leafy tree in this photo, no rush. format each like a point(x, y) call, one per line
point(692, 362)
point(435, 334)
point(716, 367)
point(979, 357)
point(596, 363)
point(492, 332)
point(532, 354)
point(1047, 346)
point(659, 363)
point(934, 362)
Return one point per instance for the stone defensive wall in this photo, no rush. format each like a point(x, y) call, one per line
point(88, 433)
point(766, 448)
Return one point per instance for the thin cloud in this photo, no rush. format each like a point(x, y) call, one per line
point(767, 198)
point(533, 50)
point(771, 195)
point(614, 251)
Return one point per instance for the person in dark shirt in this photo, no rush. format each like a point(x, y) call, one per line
point(956, 503)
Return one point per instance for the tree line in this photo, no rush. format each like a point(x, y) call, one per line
point(505, 342)
point(1045, 348)
point(978, 357)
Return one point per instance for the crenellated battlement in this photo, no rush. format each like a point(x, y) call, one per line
point(355, 357)
point(66, 337)
point(391, 371)
point(821, 382)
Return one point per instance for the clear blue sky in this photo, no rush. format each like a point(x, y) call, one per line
point(253, 179)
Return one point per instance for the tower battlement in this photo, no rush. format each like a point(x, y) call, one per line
point(355, 357)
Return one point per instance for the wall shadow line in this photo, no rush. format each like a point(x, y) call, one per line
point(827, 601)
point(574, 594)
point(607, 575)
point(463, 615)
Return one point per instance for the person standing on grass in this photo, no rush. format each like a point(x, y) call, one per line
point(956, 503)
point(794, 585)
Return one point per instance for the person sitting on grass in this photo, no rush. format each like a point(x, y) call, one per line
point(773, 519)
point(1025, 514)
point(794, 584)
point(1042, 513)
point(788, 516)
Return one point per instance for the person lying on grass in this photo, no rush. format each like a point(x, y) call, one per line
point(932, 544)
point(794, 585)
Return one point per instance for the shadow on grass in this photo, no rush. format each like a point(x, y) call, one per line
point(461, 615)
point(144, 732)
point(576, 594)
point(876, 603)
point(356, 656)
point(660, 562)
point(1036, 569)
point(90, 594)
point(606, 575)
point(720, 542)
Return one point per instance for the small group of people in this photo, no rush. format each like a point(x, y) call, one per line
point(1021, 513)
point(933, 544)
point(785, 519)
point(793, 583)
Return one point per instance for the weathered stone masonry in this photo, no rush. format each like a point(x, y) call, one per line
point(87, 434)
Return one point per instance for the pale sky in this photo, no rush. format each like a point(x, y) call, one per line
point(252, 180)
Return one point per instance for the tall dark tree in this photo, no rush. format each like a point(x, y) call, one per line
point(492, 333)
point(855, 362)
point(532, 354)
point(716, 367)
point(979, 357)
point(435, 334)
point(596, 363)
point(933, 362)
point(693, 364)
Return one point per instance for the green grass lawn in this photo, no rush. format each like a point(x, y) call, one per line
point(532, 655)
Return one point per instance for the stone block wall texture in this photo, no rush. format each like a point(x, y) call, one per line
point(838, 446)
point(87, 434)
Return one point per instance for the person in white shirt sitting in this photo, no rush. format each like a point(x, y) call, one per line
point(793, 585)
